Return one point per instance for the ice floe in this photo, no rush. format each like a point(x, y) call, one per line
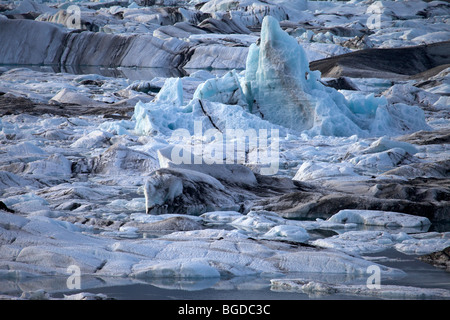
point(380, 218)
point(317, 288)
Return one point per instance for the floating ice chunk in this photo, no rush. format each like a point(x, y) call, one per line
point(161, 117)
point(26, 203)
point(119, 205)
point(171, 93)
point(201, 75)
point(121, 127)
point(27, 6)
point(9, 179)
point(234, 235)
point(409, 94)
point(424, 243)
point(218, 56)
point(358, 242)
point(86, 295)
point(59, 258)
point(12, 221)
point(221, 216)
point(251, 13)
point(79, 190)
point(432, 37)
point(133, 5)
point(94, 139)
point(229, 173)
point(224, 90)
point(56, 165)
point(398, 119)
point(171, 224)
point(120, 160)
point(281, 88)
point(24, 149)
point(316, 51)
point(380, 218)
point(383, 161)
point(186, 191)
point(258, 221)
point(175, 269)
point(313, 170)
point(384, 143)
point(153, 118)
point(123, 232)
point(385, 291)
point(278, 79)
point(287, 232)
point(73, 97)
point(146, 218)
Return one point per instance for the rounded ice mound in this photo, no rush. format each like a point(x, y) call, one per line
point(379, 218)
point(287, 232)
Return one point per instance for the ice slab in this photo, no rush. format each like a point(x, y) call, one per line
point(424, 243)
point(287, 232)
point(359, 242)
point(230, 173)
point(280, 87)
point(317, 288)
point(380, 218)
point(45, 246)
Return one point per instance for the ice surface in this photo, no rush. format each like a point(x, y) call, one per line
point(224, 90)
point(171, 93)
point(79, 168)
point(277, 75)
point(359, 242)
point(310, 170)
point(51, 246)
point(288, 232)
point(424, 243)
point(380, 218)
point(93, 139)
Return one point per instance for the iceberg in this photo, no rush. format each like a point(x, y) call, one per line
point(281, 88)
point(277, 90)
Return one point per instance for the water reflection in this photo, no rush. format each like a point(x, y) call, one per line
point(259, 285)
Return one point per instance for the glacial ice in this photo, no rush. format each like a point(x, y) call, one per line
point(77, 182)
point(318, 288)
point(293, 233)
point(380, 218)
point(225, 90)
point(363, 242)
point(279, 88)
point(50, 246)
point(278, 76)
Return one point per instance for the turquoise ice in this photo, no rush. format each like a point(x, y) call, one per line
point(281, 88)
